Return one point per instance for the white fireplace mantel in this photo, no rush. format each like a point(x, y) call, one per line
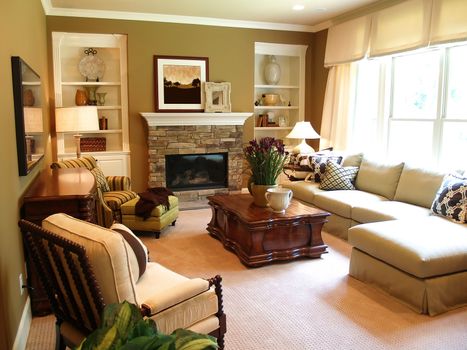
point(184, 118)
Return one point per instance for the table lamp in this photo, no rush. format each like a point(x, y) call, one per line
point(33, 124)
point(303, 130)
point(76, 119)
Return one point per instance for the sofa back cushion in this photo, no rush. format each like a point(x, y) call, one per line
point(418, 186)
point(378, 178)
point(88, 162)
point(112, 260)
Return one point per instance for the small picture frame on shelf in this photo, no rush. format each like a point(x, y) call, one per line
point(217, 97)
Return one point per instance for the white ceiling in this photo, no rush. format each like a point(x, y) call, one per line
point(267, 14)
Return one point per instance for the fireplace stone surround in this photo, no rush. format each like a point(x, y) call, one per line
point(195, 133)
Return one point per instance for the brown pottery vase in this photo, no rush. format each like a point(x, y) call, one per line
point(258, 192)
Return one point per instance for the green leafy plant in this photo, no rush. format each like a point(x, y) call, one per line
point(123, 328)
point(266, 159)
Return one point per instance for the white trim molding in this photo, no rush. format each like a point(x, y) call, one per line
point(173, 119)
point(24, 327)
point(157, 17)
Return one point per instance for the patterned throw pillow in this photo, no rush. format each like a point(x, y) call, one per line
point(337, 177)
point(451, 199)
point(100, 179)
point(318, 164)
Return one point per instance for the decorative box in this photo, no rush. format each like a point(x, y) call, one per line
point(93, 144)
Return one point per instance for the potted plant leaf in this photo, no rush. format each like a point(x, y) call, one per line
point(123, 328)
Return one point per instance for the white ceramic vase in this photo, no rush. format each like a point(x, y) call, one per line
point(272, 71)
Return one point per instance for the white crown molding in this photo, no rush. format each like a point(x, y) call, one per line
point(155, 17)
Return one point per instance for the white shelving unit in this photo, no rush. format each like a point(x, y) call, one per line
point(291, 87)
point(68, 50)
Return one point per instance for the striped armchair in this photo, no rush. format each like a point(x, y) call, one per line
point(113, 191)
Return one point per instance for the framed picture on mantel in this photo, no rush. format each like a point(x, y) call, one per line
point(179, 82)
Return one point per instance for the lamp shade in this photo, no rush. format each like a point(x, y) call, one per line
point(76, 119)
point(33, 120)
point(303, 130)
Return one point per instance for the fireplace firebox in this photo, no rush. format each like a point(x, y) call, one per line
point(186, 172)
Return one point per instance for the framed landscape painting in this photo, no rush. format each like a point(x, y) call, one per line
point(179, 83)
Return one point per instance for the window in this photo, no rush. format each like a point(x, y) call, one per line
point(413, 107)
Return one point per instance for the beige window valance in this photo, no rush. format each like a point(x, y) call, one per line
point(406, 26)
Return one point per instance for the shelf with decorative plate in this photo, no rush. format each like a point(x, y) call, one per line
point(96, 63)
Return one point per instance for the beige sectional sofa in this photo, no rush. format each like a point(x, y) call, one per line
point(398, 244)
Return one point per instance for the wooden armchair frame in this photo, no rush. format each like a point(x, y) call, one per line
point(69, 281)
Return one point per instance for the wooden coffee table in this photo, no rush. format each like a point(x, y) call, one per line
point(258, 236)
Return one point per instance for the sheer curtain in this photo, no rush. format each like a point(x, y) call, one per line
point(338, 103)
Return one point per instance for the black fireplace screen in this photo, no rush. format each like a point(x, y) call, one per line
point(196, 171)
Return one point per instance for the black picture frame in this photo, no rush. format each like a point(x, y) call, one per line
point(27, 102)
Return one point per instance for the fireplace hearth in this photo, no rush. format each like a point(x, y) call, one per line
point(185, 172)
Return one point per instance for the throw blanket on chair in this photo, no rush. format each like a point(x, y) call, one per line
point(150, 199)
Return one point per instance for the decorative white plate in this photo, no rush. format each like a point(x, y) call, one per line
point(91, 67)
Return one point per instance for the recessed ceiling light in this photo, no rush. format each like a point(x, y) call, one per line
point(298, 7)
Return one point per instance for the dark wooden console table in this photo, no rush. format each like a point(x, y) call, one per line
point(258, 236)
point(71, 191)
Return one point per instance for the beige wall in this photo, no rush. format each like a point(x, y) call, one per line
point(22, 33)
point(231, 58)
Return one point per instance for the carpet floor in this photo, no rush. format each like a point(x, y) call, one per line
point(304, 304)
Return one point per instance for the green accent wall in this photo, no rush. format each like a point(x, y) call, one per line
point(231, 58)
point(22, 33)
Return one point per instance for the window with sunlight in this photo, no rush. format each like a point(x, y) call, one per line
point(413, 107)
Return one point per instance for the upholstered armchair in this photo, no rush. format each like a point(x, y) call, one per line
point(113, 191)
point(83, 267)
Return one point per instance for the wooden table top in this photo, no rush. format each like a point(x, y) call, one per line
point(61, 183)
point(242, 205)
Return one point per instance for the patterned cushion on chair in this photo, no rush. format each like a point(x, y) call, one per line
point(115, 199)
point(100, 179)
point(88, 162)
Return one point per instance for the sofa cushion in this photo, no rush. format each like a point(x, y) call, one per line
point(388, 210)
point(140, 250)
point(451, 199)
point(190, 300)
point(114, 199)
point(341, 202)
point(112, 259)
point(353, 159)
point(418, 186)
point(303, 190)
point(426, 247)
point(337, 177)
point(378, 178)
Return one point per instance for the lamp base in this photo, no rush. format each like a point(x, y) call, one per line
point(303, 148)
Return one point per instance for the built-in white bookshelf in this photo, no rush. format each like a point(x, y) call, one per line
point(68, 51)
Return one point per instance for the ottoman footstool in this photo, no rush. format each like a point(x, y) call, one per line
point(160, 217)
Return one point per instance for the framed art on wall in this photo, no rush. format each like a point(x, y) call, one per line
point(217, 97)
point(178, 83)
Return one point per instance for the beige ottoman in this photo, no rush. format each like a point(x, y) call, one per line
point(160, 217)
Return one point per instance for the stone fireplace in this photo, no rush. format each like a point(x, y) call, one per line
point(201, 136)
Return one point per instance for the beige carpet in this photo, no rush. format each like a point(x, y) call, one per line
point(305, 304)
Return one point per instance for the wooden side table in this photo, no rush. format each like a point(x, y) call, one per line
point(71, 191)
